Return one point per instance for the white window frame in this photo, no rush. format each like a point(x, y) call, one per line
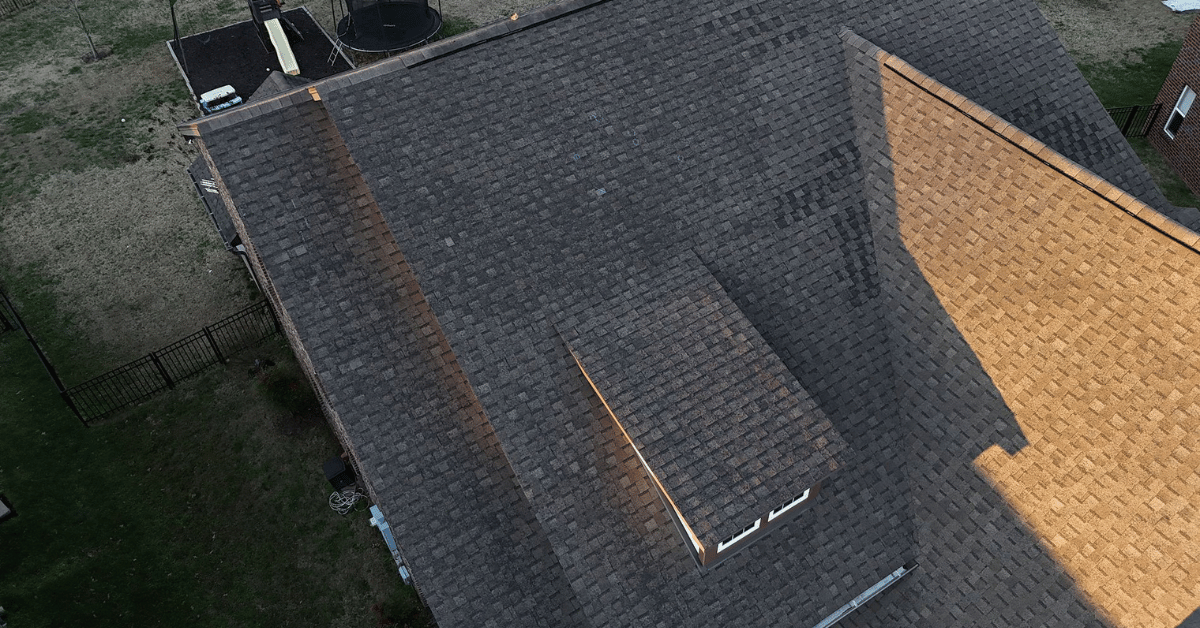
point(1182, 106)
point(790, 505)
point(731, 541)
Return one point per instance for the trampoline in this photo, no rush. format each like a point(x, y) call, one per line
point(387, 25)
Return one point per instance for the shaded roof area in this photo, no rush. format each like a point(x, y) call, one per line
point(1076, 302)
point(235, 55)
point(549, 166)
point(720, 421)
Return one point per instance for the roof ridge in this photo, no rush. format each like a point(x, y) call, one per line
point(495, 30)
point(1032, 146)
point(419, 56)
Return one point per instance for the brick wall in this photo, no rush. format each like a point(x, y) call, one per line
point(1182, 152)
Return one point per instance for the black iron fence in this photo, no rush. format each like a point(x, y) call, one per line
point(162, 369)
point(8, 7)
point(1137, 120)
point(6, 323)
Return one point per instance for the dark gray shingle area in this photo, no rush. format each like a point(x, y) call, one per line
point(277, 83)
point(531, 174)
point(538, 173)
point(422, 440)
point(720, 421)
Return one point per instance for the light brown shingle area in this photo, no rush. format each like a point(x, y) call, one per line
point(1086, 319)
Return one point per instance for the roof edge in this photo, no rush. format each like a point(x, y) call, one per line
point(1123, 201)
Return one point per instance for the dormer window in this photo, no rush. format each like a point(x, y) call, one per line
point(746, 531)
point(790, 505)
point(1182, 106)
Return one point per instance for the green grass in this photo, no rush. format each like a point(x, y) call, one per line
point(29, 122)
point(204, 507)
point(1136, 80)
point(108, 136)
point(453, 25)
point(1172, 187)
point(74, 357)
point(130, 41)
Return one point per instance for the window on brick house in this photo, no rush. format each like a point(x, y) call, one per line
point(1180, 112)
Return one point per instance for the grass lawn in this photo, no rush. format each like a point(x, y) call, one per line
point(1125, 49)
point(204, 507)
point(1136, 81)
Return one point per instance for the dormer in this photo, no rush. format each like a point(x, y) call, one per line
point(733, 444)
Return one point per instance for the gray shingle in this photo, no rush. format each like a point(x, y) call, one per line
point(718, 418)
point(526, 178)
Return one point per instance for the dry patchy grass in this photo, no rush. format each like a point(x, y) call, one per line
point(1113, 31)
point(132, 252)
point(97, 199)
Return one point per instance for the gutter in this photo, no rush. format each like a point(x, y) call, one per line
point(865, 596)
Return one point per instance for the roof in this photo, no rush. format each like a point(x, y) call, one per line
point(717, 417)
point(1041, 318)
point(277, 83)
point(450, 232)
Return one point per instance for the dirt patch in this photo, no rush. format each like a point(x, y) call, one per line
point(488, 11)
point(1110, 31)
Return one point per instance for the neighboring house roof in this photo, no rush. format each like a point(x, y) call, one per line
point(492, 252)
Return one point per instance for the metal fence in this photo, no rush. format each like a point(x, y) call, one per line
point(6, 324)
point(1137, 120)
point(162, 369)
point(9, 7)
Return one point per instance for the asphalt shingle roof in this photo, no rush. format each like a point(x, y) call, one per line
point(416, 431)
point(721, 422)
point(444, 228)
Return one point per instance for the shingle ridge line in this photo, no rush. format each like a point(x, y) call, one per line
point(1033, 147)
point(338, 142)
point(413, 58)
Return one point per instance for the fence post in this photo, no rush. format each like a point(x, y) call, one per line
point(62, 390)
point(1151, 118)
point(162, 371)
point(66, 397)
point(213, 343)
point(274, 316)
